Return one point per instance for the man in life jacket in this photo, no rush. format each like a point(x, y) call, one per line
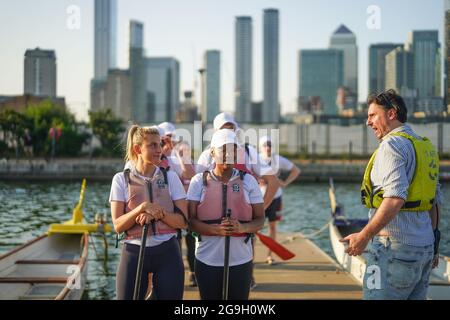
point(402, 191)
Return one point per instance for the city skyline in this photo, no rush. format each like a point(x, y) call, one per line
point(300, 28)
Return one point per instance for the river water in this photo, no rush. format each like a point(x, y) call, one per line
point(26, 210)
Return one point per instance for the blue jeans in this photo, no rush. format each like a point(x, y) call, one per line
point(396, 271)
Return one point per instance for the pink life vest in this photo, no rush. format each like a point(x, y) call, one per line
point(139, 191)
point(211, 210)
point(164, 162)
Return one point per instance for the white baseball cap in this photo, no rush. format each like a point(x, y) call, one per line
point(222, 118)
point(263, 140)
point(167, 128)
point(223, 137)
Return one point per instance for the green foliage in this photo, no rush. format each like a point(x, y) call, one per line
point(39, 119)
point(108, 129)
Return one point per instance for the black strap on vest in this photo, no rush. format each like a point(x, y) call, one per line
point(121, 236)
point(206, 173)
point(164, 172)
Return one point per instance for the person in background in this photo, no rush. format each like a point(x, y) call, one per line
point(177, 157)
point(28, 144)
point(279, 164)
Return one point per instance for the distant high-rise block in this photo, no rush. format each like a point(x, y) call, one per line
point(399, 69)
point(118, 93)
point(447, 53)
point(425, 47)
point(105, 37)
point(377, 66)
point(271, 103)
point(211, 86)
point(112, 93)
point(243, 72)
point(188, 111)
point(138, 77)
point(40, 72)
point(162, 89)
point(345, 40)
point(321, 74)
point(98, 95)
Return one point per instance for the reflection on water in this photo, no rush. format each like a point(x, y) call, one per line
point(26, 210)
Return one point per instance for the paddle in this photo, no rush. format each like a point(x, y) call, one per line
point(137, 284)
point(276, 247)
point(226, 264)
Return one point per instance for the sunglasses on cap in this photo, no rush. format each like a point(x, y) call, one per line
point(387, 102)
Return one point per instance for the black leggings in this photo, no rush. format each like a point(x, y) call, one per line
point(210, 280)
point(164, 261)
point(190, 250)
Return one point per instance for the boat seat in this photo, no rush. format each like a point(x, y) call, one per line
point(33, 279)
point(42, 292)
point(56, 261)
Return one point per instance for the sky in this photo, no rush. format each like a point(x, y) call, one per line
point(185, 29)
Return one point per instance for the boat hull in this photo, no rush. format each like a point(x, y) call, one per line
point(50, 267)
point(439, 288)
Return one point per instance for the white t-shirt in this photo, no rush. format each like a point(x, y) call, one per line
point(252, 161)
point(281, 164)
point(119, 192)
point(211, 249)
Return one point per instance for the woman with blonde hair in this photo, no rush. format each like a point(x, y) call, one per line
point(146, 194)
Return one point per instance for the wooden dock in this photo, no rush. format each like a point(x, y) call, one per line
point(311, 274)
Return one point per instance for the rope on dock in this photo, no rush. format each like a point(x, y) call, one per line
point(311, 235)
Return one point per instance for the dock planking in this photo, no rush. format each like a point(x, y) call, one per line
point(311, 274)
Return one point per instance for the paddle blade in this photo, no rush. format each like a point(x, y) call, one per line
point(275, 247)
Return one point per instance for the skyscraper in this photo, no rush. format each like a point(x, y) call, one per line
point(377, 66)
point(271, 104)
point(40, 72)
point(343, 39)
point(399, 70)
point(138, 78)
point(321, 74)
point(243, 71)
point(105, 34)
point(162, 89)
point(447, 54)
point(425, 46)
point(211, 86)
point(118, 93)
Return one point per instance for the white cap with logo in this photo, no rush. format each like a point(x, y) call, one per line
point(223, 137)
point(222, 118)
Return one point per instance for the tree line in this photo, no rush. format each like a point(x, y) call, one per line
point(39, 119)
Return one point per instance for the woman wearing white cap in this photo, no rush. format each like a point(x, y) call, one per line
point(278, 163)
point(210, 195)
point(177, 157)
point(249, 162)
